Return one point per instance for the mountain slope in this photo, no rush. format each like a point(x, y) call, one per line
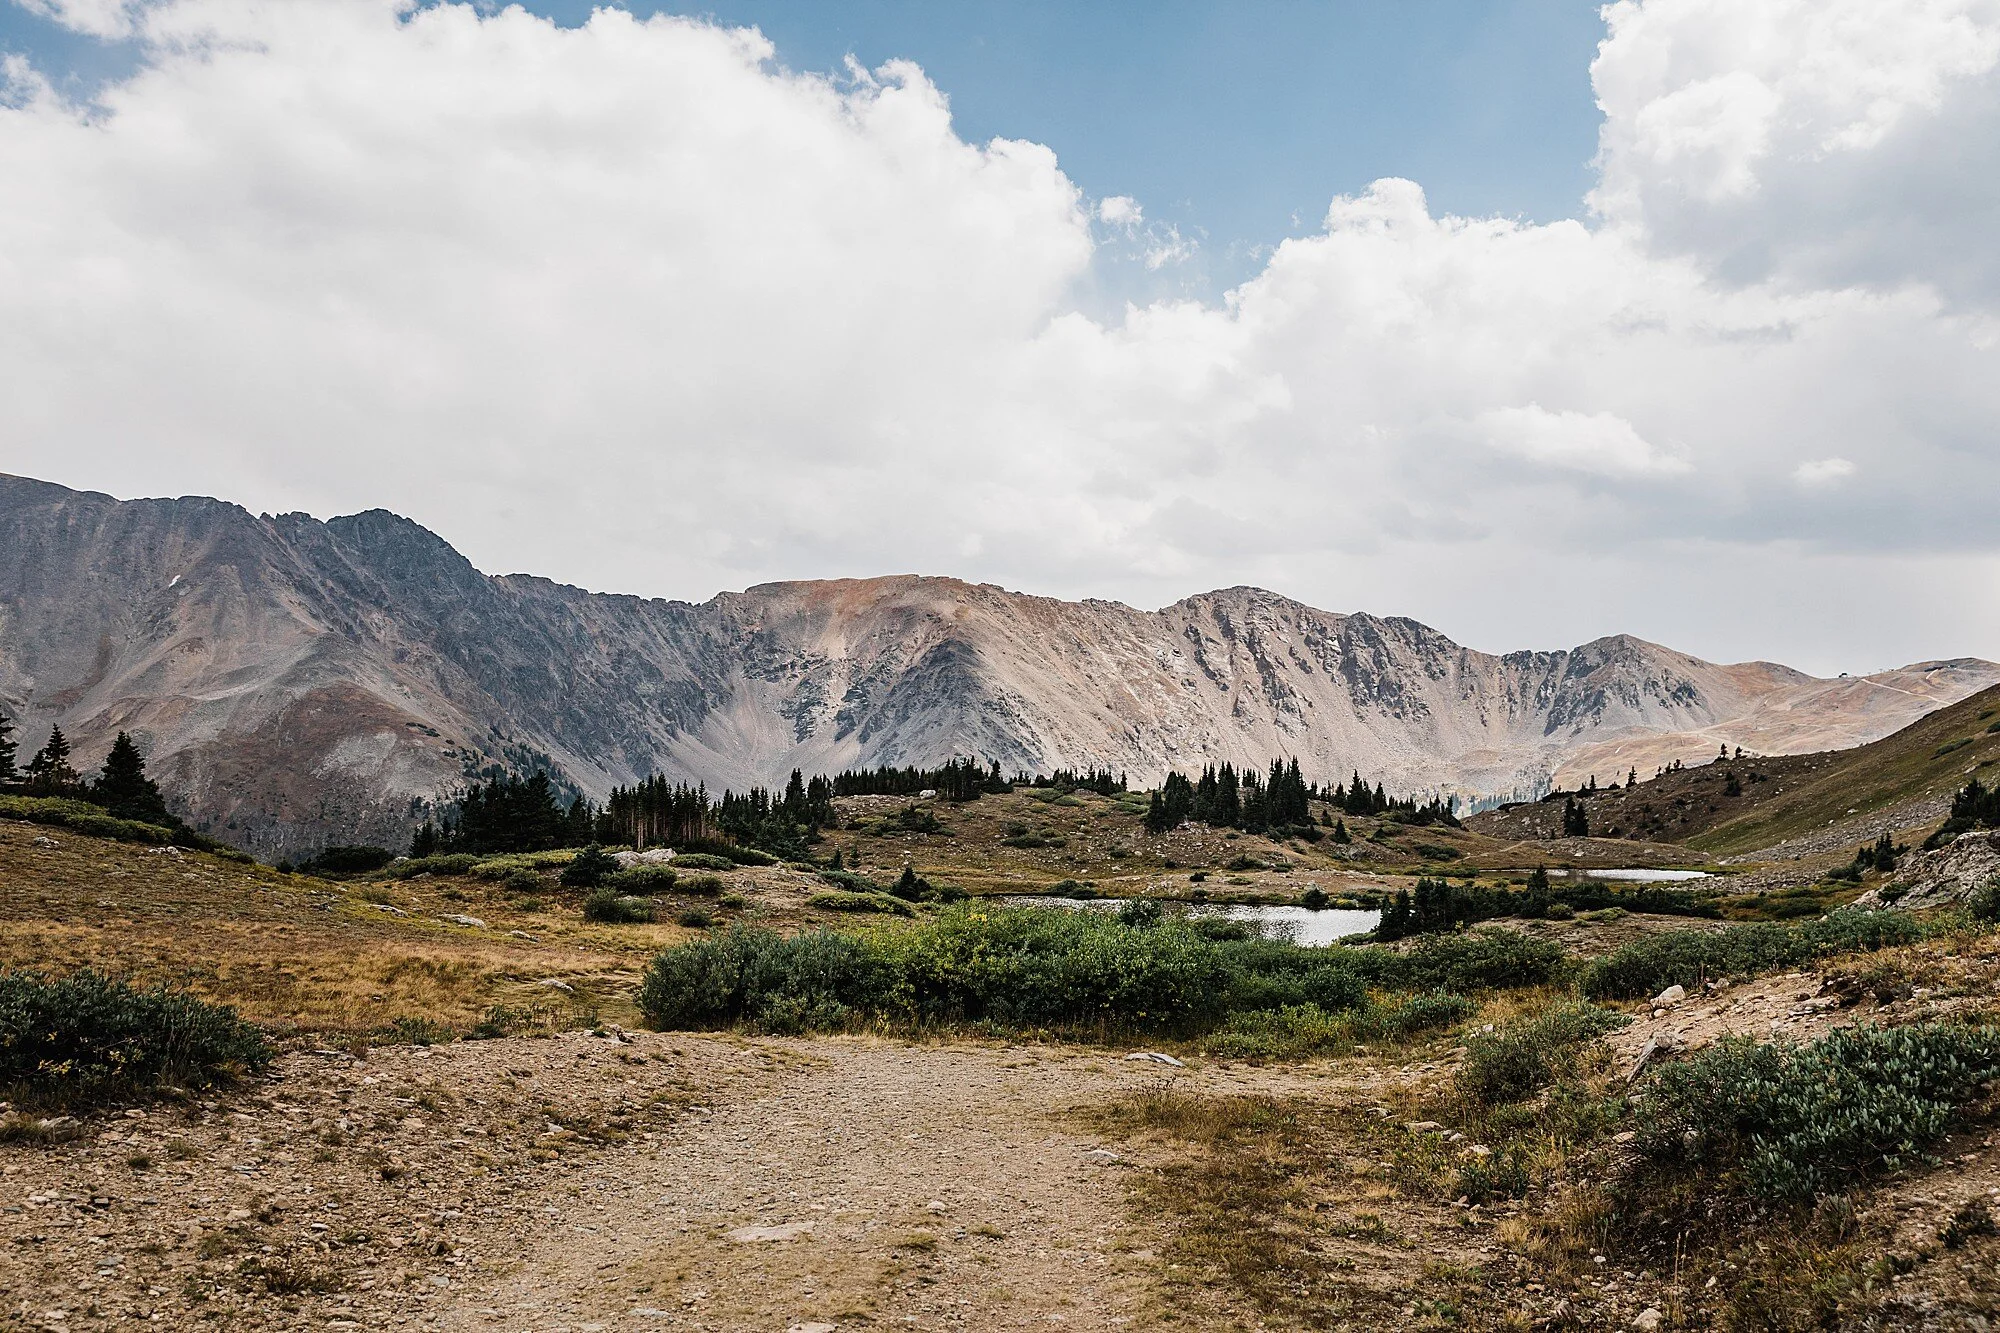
point(297, 680)
point(1779, 805)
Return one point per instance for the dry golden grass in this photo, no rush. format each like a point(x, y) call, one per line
point(295, 953)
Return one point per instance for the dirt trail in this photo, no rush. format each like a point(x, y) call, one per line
point(581, 1182)
point(929, 1187)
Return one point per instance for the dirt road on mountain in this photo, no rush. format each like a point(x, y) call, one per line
point(584, 1182)
point(929, 1187)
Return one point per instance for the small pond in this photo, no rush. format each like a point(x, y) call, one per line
point(1301, 925)
point(1639, 876)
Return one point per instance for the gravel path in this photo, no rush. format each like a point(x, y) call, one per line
point(927, 1187)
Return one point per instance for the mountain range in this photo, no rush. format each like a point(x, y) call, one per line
point(296, 682)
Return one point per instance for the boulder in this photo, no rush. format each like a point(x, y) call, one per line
point(1951, 874)
point(1670, 997)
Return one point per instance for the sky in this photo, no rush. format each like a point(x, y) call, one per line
point(1529, 320)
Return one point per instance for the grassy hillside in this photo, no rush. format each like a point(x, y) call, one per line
point(1741, 806)
point(1030, 840)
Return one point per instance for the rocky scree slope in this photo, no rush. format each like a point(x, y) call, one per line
point(298, 681)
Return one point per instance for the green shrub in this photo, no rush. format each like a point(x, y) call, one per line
point(694, 918)
point(589, 868)
point(81, 1039)
point(1489, 959)
point(702, 861)
point(811, 980)
point(1411, 1015)
point(80, 817)
point(347, 860)
point(1141, 912)
point(1087, 971)
point(701, 886)
point(1521, 1058)
point(457, 863)
point(840, 900)
point(1031, 841)
point(747, 856)
point(644, 878)
point(1688, 958)
point(851, 881)
point(1788, 1121)
point(409, 1031)
point(607, 905)
point(519, 881)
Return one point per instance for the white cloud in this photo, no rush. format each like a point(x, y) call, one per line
point(1823, 472)
point(1122, 211)
point(629, 305)
point(95, 18)
point(1596, 442)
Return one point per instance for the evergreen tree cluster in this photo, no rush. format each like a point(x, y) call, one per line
point(959, 780)
point(508, 814)
point(123, 787)
point(1438, 906)
point(1575, 819)
point(1973, 806)
point(1100, 780)
point(656, 813)
point(1280, 799)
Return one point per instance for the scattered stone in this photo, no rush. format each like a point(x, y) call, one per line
point(1157, 1057)
point(1670, 997)
point(1102, 1155)
point(934, 1206)
point(555, 983)
point(811, 1328)
point(1422, 1126)
point(41, 841)
point(783, 1231)
point(462, 920)
point(1646, 1320)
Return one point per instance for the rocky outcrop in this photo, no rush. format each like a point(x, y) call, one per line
point(1954, 873)
point(298, 681)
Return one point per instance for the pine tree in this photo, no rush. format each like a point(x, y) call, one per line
point(1340, 834)
point(124, 789)
point(9, 747)
point(49, 771)
point(1228, 802)
point(424, 842)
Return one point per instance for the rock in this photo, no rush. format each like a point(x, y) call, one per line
point(934, 1206)
point(1479, 1150)
point(460, 919)
point(554, 983)
point(1624, 1136)
point(783, 1231)
point(1659, 1044)
point(42, 841)
point(1952, 873)
point(1646, 1320)
point(652, 856)
point(1103, 1156)
point(1422, 1126)
point(1670, 997)
point(1157, 1057)
point(811, 1328)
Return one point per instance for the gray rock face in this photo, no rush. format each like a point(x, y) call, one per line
point(1954, 873)
point(297, 682)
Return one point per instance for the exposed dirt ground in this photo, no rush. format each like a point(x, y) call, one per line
point(579, 1181)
